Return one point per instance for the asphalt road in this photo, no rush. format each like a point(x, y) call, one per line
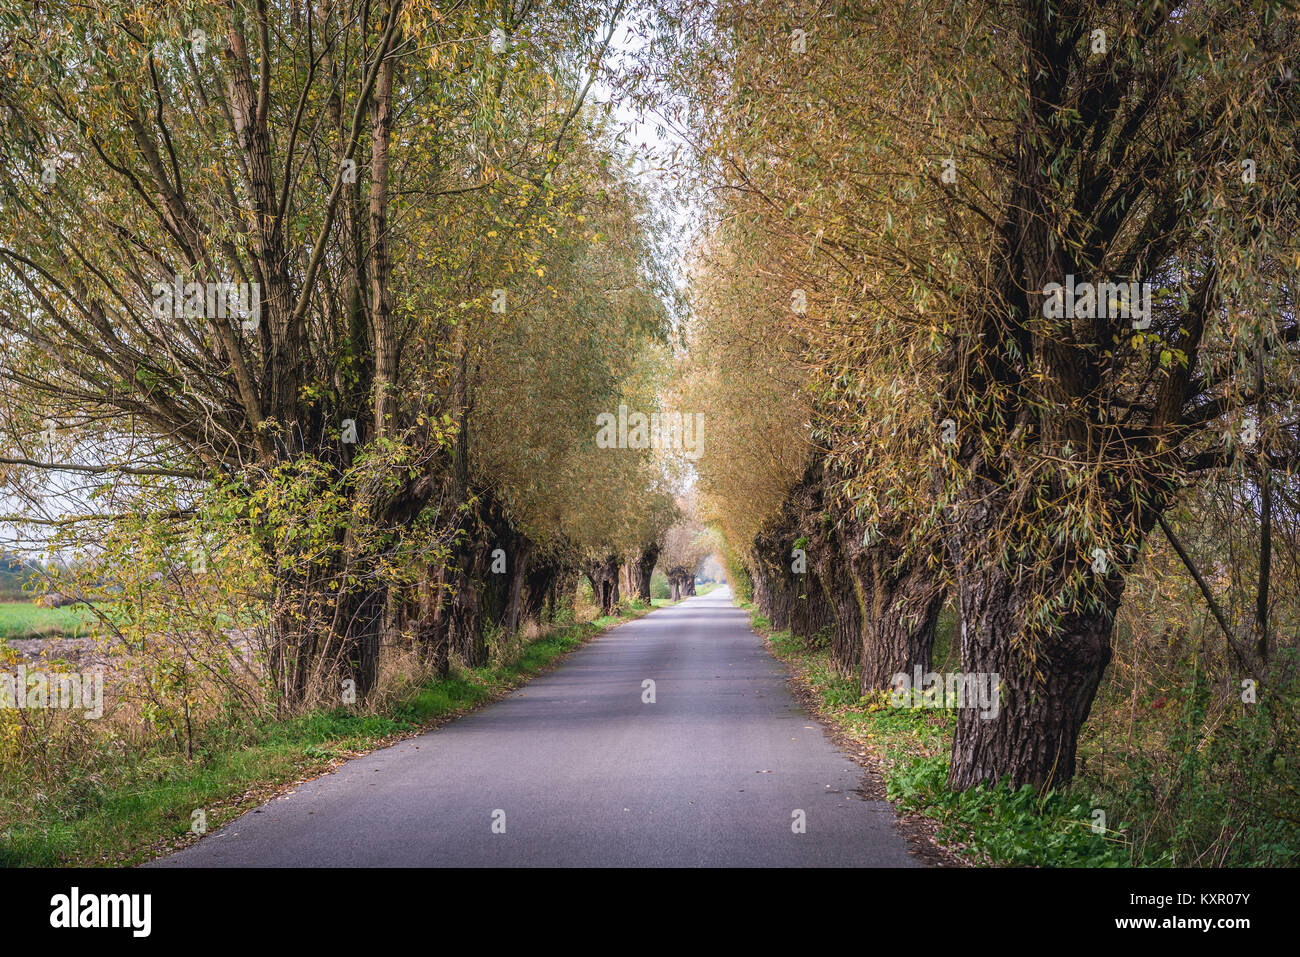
point(577, 769)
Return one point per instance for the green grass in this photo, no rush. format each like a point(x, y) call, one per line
point(659, 587)
point(141, 803)
point(22, 619)
point(988, 825)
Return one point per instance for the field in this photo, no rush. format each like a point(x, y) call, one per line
point(22, 619)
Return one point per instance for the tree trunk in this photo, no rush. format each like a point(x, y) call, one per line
point(840, 593)
point(538, 591)
point(431, 634)
point(1034, 737)
point(360, 629)
point(563, 587)
point(518, 576)
point(777, 595)
point(901, 601)
point(642, 570)
point(681, 582)
point(603, 576)
point(762, 593)
point(467, 638)
point(291, 642)
point(1048, 680)
point(384, 333)
point(811, 615)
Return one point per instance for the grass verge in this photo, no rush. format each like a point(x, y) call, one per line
point(911, 747)
point(148, 807)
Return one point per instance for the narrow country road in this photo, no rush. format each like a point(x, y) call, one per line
point(581, 771)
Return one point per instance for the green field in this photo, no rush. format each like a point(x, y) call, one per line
point(22, 619)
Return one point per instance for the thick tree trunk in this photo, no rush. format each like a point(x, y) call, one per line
point(518, 576)
point(840, 593)
point(469, 595)
point(1034, 736)
point(539, 580)
point(431, 638)
point(790, 548)
point(781, 601)
point(431, 632)
point(758, 579)
point(563, 588)
point(495, 587)
point(779, 584)
point(1048, 679)
point(603, 576)
point(642, 569)
point(900, 602)
point(291, 643)
point(323, 633)
point(455, 626)
point(468, 641)
point(811, 615)
point(681, 582)
point(779, 595)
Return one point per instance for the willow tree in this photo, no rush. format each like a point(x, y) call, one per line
point(747, 377)
point(1074, 224)
point(790, 269)
point(280, 150)
point(586, 333)
point(686, 544)
point(1128, 307)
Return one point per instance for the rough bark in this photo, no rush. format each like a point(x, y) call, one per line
point(518, 572)
point(1050, 677)
point(539, 580)
point(775, 585)
point(794, 593)
point(899, 599)
point(642, 569)
point(1034, 737)
point(359, 623)
point(467, 596)
point(603, 575)
point(830, 555)
point(681, 582)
